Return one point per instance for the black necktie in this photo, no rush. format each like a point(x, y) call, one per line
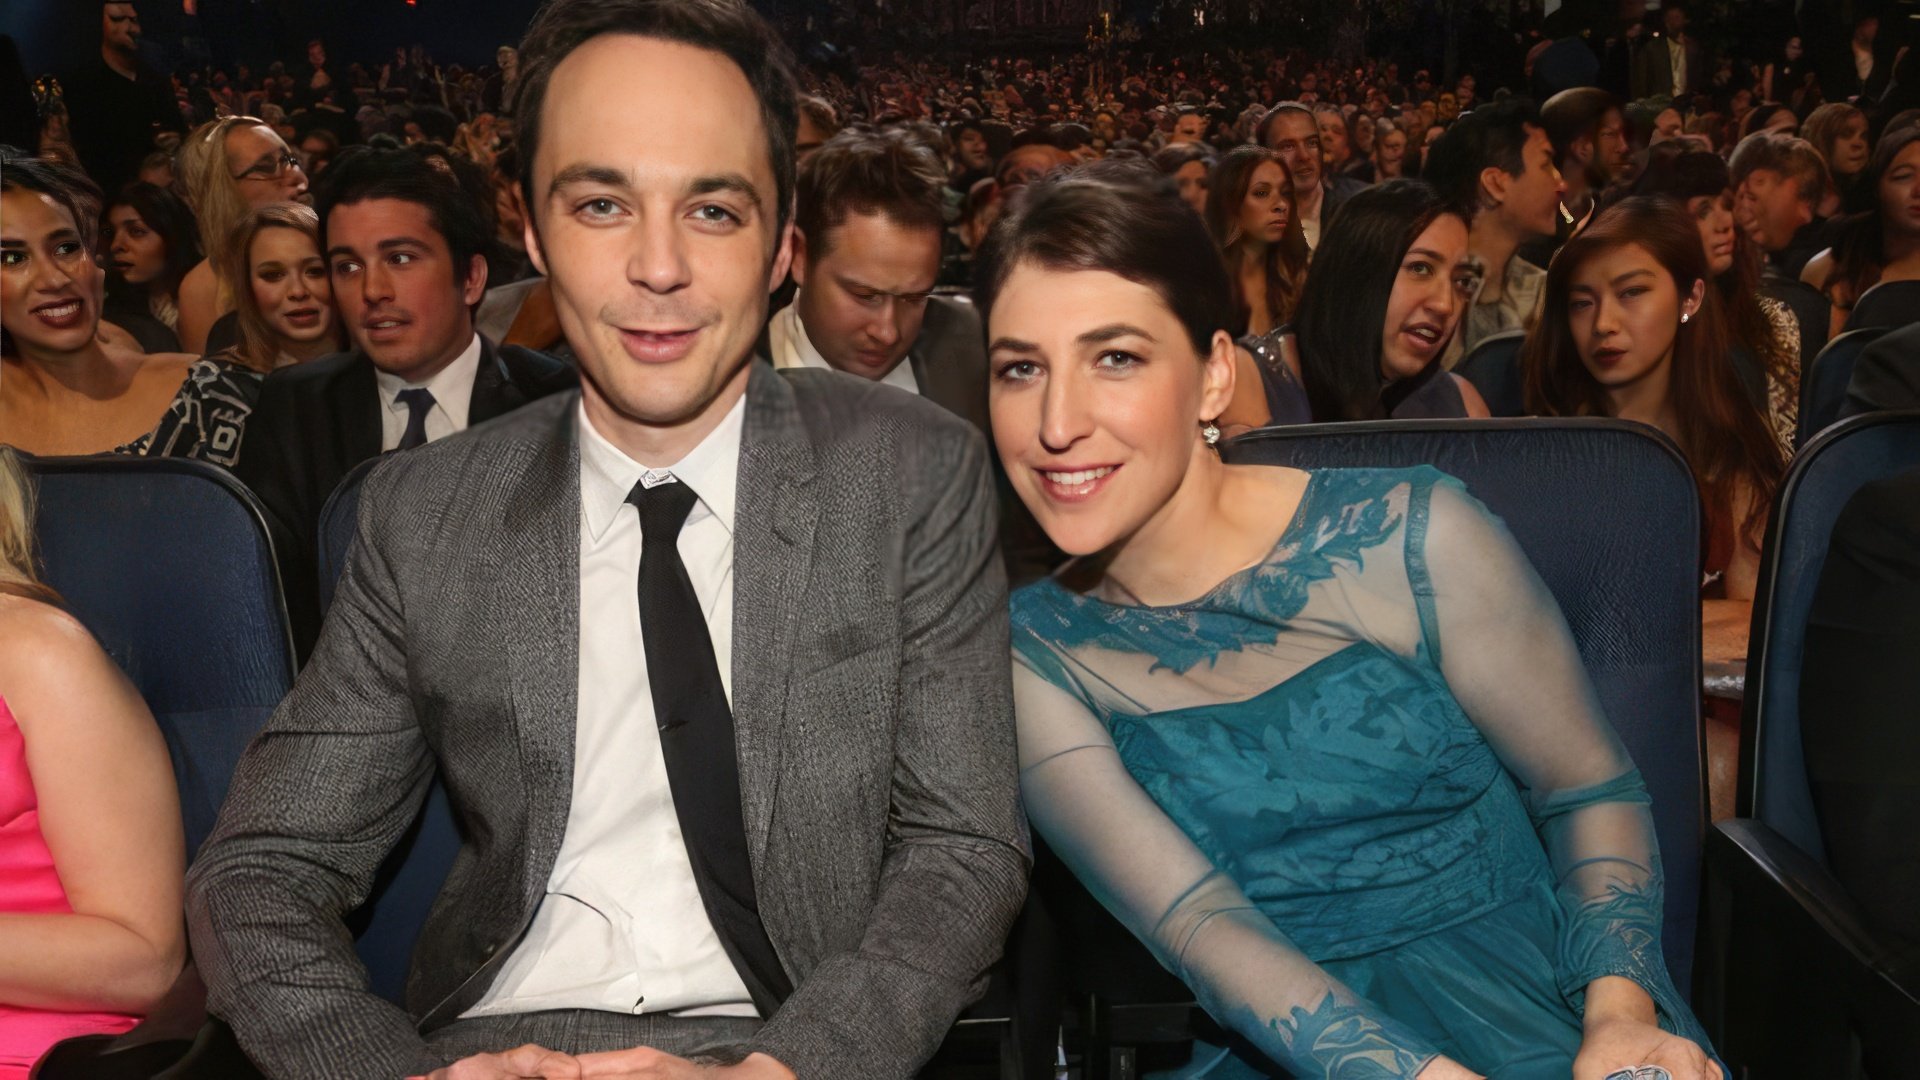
point(419, 402)
point(696, 738)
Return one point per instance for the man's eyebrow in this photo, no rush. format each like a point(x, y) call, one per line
point(586, 173)
point(727, 182)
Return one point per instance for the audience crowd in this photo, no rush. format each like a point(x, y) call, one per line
point(1096, 262)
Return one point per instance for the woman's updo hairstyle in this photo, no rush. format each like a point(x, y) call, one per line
point(1121, 217)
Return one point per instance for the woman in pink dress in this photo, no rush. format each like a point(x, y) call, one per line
point(91, 852)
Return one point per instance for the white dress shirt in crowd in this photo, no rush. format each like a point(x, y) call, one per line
point(1310, 223)
point(452, 391)
point(622, 928)
point(1677, 64)
point(787, 337)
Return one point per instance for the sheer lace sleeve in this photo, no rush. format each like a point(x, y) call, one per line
point(1510, 661)
point(1193, 917)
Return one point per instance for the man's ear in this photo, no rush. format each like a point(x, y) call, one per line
point(531, 237)
point(1581, 150)
point(794, 244)
point(1494, 182)
point(475, 285)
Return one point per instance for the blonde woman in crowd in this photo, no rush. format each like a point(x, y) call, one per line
point(282, 293)
point(227, 167)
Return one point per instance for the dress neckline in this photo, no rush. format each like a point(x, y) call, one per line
point(1294, 525)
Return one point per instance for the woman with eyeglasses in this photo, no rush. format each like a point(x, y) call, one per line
point(64, 389)
point(228, 167)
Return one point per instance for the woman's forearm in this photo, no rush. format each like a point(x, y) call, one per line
point(79, 962)
point(1614, 997)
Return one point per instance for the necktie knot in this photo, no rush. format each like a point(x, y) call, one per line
point(419, 402)
point(663, 510)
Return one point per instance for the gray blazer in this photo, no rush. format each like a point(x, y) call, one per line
point(872, 713)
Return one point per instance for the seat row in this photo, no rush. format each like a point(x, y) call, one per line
point(170, 565)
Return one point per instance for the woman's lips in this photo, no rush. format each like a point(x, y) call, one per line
point(61, 314)
point(304, 318)
point(1075, 485)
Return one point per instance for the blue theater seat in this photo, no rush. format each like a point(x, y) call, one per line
point(1791, 972)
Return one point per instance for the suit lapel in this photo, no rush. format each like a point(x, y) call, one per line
point(354, 402)
point(773, 553)
point(494, 393)
point(536, 568)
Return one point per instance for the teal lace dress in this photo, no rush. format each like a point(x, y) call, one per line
point(1360, 797)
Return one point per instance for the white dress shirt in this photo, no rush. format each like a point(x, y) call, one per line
point(621, 928)
point(1677, 64)
point(1310, 223)
point(452, 391)
point(787, 337)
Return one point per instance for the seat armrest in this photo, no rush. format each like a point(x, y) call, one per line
point(1804, 883)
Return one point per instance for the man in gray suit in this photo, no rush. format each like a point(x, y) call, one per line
point(734, 768)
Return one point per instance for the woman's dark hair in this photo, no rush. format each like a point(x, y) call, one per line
point(1338, 323)
point(1673, 171)
point(1723, 435)
point(1860, 250)
point(1762, 115)
point(166, 214)
point(1286, 267)
point(460, 216)
point(72, 189)
point(1171, 159)
point(728, 27)
point(1121, 218)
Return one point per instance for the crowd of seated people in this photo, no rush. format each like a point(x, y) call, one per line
point(537, 301)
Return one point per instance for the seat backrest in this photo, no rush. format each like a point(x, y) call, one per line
point(387, 925)
point(338, 519)
point(1886, 305)
point(168, 563)
point(1493, 367)
point(1823, 385)
point(1849, 455)
point(1608, 513)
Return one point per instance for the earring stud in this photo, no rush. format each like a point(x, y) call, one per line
point(1685, 315)
point(1211, 433)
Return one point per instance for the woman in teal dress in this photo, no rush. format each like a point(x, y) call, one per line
point(1321, 740)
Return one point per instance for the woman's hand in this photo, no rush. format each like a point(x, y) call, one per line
point(1621, 1033)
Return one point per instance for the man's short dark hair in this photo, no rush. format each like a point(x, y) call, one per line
point(1489, 136)
point(728, 27)
point(869, 172)
point(363, 173)
point(1264, 128)
point(1572, 115)
point(1789, 155)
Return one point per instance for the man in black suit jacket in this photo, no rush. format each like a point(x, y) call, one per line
point(1887, 374)
point(1857, 691)
point(403, 249)
point(867, 247)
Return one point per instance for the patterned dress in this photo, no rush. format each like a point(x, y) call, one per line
point(207, 417)
point(1360, 797)
point(1781, 358)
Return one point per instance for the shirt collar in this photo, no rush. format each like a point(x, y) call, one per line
point(787, 340)
point(712, 469)
point(451, 386)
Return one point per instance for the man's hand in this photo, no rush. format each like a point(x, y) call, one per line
point(643, 1063)
point(527, 1062)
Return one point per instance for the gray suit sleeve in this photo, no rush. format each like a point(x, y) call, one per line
point(318, 800)
point(957, 856)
